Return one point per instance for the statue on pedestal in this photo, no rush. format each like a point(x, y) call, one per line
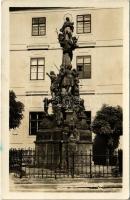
point(67, 42)
point(61, 130)
point(65, 85)
point(67, 28)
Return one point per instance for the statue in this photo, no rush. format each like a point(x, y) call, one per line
point(60, 76)
point(74, 39)
point(67, 42)
point(59, 114)
point(53, 78)
point(68, 118)
point(65, 85)
point(46, 105)
point(75, 89)
point(67, 28)
point(67, 54)
point(68, 80)
point(76, 134)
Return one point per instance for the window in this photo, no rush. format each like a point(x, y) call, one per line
point(84, 23)
point(38, 26)
point(37, 68)
point(35, 118)
point(84, 66)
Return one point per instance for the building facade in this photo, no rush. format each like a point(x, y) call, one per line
point(35, 51)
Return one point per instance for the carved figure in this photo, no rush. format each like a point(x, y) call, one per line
point(67, 42)
point(60, 76)
point(76, 134)
point(81, 113)
point(68, 80)
point(67, 52)
point(54, 86)
point(59, 114)
point(82, 104)
point(66, 102)
point(65, 86)
point(61, 39)
point(75, 73)
point(75, 90)
point(74, 39)
point(46, 105)
point(67, 27)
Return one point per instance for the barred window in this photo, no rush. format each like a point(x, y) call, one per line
point(84, 23)
point(35, 118)
point(37, 68)
point(38, 26)
point(84, 66)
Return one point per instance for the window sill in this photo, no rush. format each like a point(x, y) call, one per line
point(83, 33)
point(37, 79)
point(31, 136)
point(38, 47)
point(38, 36)
point(85, 78)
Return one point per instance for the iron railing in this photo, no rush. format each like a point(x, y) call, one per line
point(30, 163)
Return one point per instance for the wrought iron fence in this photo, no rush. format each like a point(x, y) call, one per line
point(30, 163)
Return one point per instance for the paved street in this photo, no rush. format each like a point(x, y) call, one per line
point(65, 185)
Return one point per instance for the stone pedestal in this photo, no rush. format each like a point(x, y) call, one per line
point(48, 147)
point(53, 149)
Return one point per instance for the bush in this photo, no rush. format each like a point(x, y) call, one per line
point(100, 150)
point(120, 159)
point(107, 126)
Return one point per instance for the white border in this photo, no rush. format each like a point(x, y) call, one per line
point(5, 99)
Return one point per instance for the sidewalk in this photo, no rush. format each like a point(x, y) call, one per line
point(65, 185)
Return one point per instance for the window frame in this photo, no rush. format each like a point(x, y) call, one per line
point(83, 64)
point(38, 25)
point(83, 21)
point(30, 120)
point(37, 68)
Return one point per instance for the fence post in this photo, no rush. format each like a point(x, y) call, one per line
point(55, 173)
point(90, 155)
point(21, 157)
point(120, 160)
point(73, 165)
point(67, 158)
point(11, 157)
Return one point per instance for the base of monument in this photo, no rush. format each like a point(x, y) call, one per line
point(53, 154)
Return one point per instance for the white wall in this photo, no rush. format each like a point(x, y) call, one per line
point(106, 24)
point(105, 86)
